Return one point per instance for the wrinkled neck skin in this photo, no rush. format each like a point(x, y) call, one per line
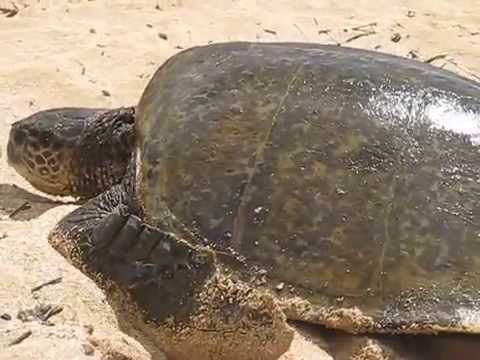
point(103, 154)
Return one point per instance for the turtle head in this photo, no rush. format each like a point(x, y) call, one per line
point(72, 151)
point(39, 148)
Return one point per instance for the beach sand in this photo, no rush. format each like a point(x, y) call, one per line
point(102, 53)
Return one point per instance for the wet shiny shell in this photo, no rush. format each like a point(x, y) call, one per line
point(345, 177)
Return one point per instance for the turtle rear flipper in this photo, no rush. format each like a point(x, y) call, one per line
point(173, 291)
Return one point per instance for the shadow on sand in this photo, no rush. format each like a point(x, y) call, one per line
point(20, 204)
point(342, 345)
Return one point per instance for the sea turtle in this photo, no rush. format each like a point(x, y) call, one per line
point(274, 181)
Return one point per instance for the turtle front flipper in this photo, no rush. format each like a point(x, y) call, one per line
point(79, 152)
point(172, 291)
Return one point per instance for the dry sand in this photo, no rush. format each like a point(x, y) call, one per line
point(102, 53)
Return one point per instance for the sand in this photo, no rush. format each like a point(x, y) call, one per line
point(102, 53)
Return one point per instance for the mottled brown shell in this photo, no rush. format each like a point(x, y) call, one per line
point(346, 181)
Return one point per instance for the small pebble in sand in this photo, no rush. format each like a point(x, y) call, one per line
point(88, 328)
point(280, 286)
point(88, 349)
point(396, 37)
point(163, 36)
point(413, 54)
point(6, 316)
point(106, 93)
